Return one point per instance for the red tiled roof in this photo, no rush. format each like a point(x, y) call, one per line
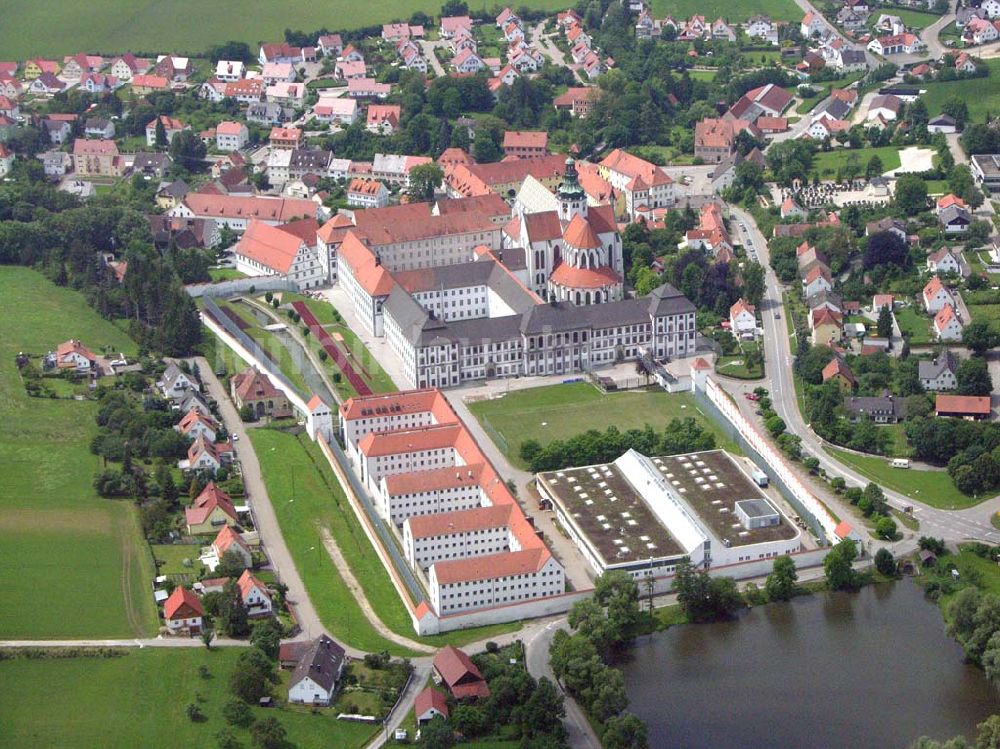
point(584, 278)
point(973, 405)
point(248, 207)
point(248, 582)
point(182, 604)
point(269, 246)
point(460, 521)
point(632, 166)
point(435, 437)
point(459, 673)
point(835, 367)
point(525, 139)
point(406, 402)
point(73, 346)
point(194, 416)
point(210, 498)
point(372, 277)
point(252, 384)
point(430, 698)
point(226, 538)
point(580, 234)
point(435, 479)
point(490, 566)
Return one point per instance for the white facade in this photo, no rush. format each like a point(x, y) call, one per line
point(308, 692)
point(232, 138)
point(400, 506)
point(452, 598)
point(373, 468)
point(425, 551)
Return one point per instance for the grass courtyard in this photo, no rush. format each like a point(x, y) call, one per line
point(139, 700)
point(982, 95)
point(933, 488)
point(827, 163)
point(561, 411)
point(71, 564)
point(914, 325)
point(307, 498)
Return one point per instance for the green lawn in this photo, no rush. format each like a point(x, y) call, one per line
point(988, 312)
point(306, 497)
point(225, 274)
point(71, 564)
point(827, 163)
point(561, 411)
point(170, 560)
point(703, 75)
point(109, 26)
point(933, 488)
point(914, 19)
point(735, 365)
point(982, 95)
point(139, 700)
point(913, 323)
point(780, 10)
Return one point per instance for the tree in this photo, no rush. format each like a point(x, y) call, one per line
point(704, 598)
point(194, 713)
point(780, 584)
point(437, 734)
point(207, 635)
point(268, 733)
point(911, 194)
point(231, 564)
point(840, 575)
point(424, 180)
point(885, 527)
point(973, 377)
point(884, 324)
point(161, 134)
point(885, 563)
point(266, 635)
point(956, 108)
point(624, 731)
point(226, 739)
point(542, 714)
point(979, 337)
point(237, 713)
point(253, 676)
point(187, 150)
point(753, 283)
point(874, 167)
point(886, 248)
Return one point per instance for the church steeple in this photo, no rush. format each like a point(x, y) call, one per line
point(572, 198)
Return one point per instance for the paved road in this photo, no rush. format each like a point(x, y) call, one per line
point(538, 40)
point(929, 36)
point(951, 525)
point(427, 49)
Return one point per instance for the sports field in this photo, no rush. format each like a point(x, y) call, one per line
point(191, 26)
point(139, 700)
point(71, 564)
point(561, 411)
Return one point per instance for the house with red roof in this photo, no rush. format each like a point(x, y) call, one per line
point(253, 388)
point(171, 127)
point(430, 704)
point(367, 193)
point(255, 595)
point(229, 540)
point(643, 184)
point(211, 510)
point(838, 371)
point(467, 61)
point(743, 319)
point(383, 119)
point(455, 670)
point(231, 135)
point(525, 144)
point(145, 84)
point(237, 211)
point(74, 355)
point(206, 456)
point(577, 100)
point(947, 325)
point(196, 424)
point(182, 612)
point(936, 295)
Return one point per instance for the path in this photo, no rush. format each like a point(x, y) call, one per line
point(359, 595)
point(538, 40)
point(427, 49)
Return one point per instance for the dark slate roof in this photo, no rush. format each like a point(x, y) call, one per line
point(870, 405)
point(321, 662)
point(666, 300)
point(931, 369)
point(954, 213)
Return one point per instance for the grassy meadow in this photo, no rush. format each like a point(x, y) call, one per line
point(72, 564)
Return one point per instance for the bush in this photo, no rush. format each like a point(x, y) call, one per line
point(886, 528)
point(884, 562)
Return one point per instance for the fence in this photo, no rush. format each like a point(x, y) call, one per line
point(495, 435)
point(240, 286)
point(250, 350)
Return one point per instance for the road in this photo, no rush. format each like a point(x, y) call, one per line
point(538, 40)
point(929, 36)
point(808, 7)
point(951, 525)
point(427, 49)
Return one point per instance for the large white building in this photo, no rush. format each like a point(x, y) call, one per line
point(643, 515)
point(285, 251)
point(461, 529)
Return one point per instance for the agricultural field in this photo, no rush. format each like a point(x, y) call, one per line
point(308, 499)
point(561, 411)
point(108, 26)
point(982, 95)
point(826, 163)
point(129, 701)
point(81, 557)
point(933, 488)
point(779, 10)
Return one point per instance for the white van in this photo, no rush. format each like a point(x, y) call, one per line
point(900, 463)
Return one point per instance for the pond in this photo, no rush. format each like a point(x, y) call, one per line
point(868, 669)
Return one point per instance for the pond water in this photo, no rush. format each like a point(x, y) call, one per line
point(867, 669)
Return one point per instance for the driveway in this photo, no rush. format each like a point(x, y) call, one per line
point(427, 49)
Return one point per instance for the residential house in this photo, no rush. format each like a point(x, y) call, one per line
point(98, 83)
point(331, 45)
point(980, 31)
point(456, 671)
point(151, 165)
point(6, 160)
point(286, 137)
point(943, 123)
point(73, 355)
point(888, 224)
point(383, 119)
point(886, 106)
point(246, 90)
point(205, 456)
point(182, 612)
point(210, 510)
point(743, 319)
point(174, 382)
point(176, 69)
point(99, 127)
point(255, 596)
point(229, 540)
point(126, 67)
point(816, 280)
point(277, 72)
point(524, 144)
point(896, 44)
point(348, 69)
point(954, 219)
point(451, 24)
point(55, 163)
point(577, 100)
point(367, 193)
point(947, 326)
point(96, 158)
point(171, 127)
point(812, 24)
point(468, 61)
point(367, 88)
point(46, 85)
point(889, 25)
point(971, 407)
point(231, 135)
point(290, 95)
point(252, 388)
point(430, 704)
point(791, 209)
point(339, 111)
point(315, 678)
point(936, 296)
point(945, 260)
point(196, 424)
point(883, 300)
point(939, 373)
point(230, 70)
point(715, 138)
point(838, 371)
point(768, 100)
point(143, 85)
point(986, 171)
point(883, 409)
point(264, 113)
point(826, 325)
point(762, 28)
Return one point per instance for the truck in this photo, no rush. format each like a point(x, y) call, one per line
point(900, 463)
point(759, 477)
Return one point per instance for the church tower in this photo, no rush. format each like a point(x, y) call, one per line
point(572, 198)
